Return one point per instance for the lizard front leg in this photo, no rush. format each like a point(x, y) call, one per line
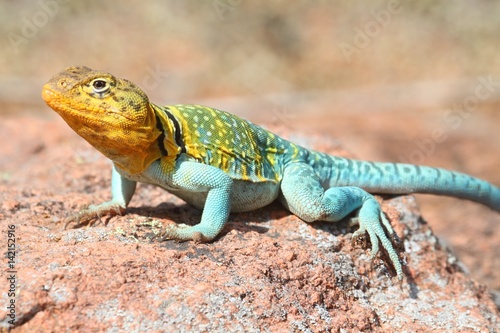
point(304, 196)
point(197, 177)
point(122, 190)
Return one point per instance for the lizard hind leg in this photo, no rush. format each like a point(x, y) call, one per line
point(303, 195)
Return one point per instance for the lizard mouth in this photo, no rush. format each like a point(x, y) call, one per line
point(49, 95)
point(53, 99)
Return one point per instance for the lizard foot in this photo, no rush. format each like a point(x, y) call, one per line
point(184, 232)
point(372, 220)
point(95, 212)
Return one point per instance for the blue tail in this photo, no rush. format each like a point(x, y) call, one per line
point(397, 178)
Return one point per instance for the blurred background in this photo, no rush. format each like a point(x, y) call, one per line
point(411, 81)
point(339, 68)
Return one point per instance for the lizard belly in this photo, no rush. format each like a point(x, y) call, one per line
point(245, 195)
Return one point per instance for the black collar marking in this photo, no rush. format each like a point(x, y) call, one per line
point(178, 133)
point(161, 137)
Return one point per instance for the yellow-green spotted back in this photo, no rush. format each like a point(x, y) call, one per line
point(243, 150)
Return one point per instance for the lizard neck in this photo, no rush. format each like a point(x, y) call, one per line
point(134, 149)
point(170, 141)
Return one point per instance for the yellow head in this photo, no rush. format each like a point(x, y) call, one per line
point(112, 114)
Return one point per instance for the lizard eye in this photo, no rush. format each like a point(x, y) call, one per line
point(100, 85)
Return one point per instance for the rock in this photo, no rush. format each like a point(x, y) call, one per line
point(267, 272)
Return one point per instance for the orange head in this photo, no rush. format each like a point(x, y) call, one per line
point(112, 114)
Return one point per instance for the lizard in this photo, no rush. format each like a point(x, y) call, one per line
point(221, 163)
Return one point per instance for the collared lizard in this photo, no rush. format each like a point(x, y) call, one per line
point(221, 163)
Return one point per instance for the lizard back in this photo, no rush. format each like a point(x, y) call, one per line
point(243, 150)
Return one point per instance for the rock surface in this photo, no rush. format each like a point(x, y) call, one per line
point(267, 272)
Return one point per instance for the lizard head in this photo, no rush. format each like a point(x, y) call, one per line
point(112, 114)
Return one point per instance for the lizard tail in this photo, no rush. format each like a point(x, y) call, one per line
point(398, 178)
